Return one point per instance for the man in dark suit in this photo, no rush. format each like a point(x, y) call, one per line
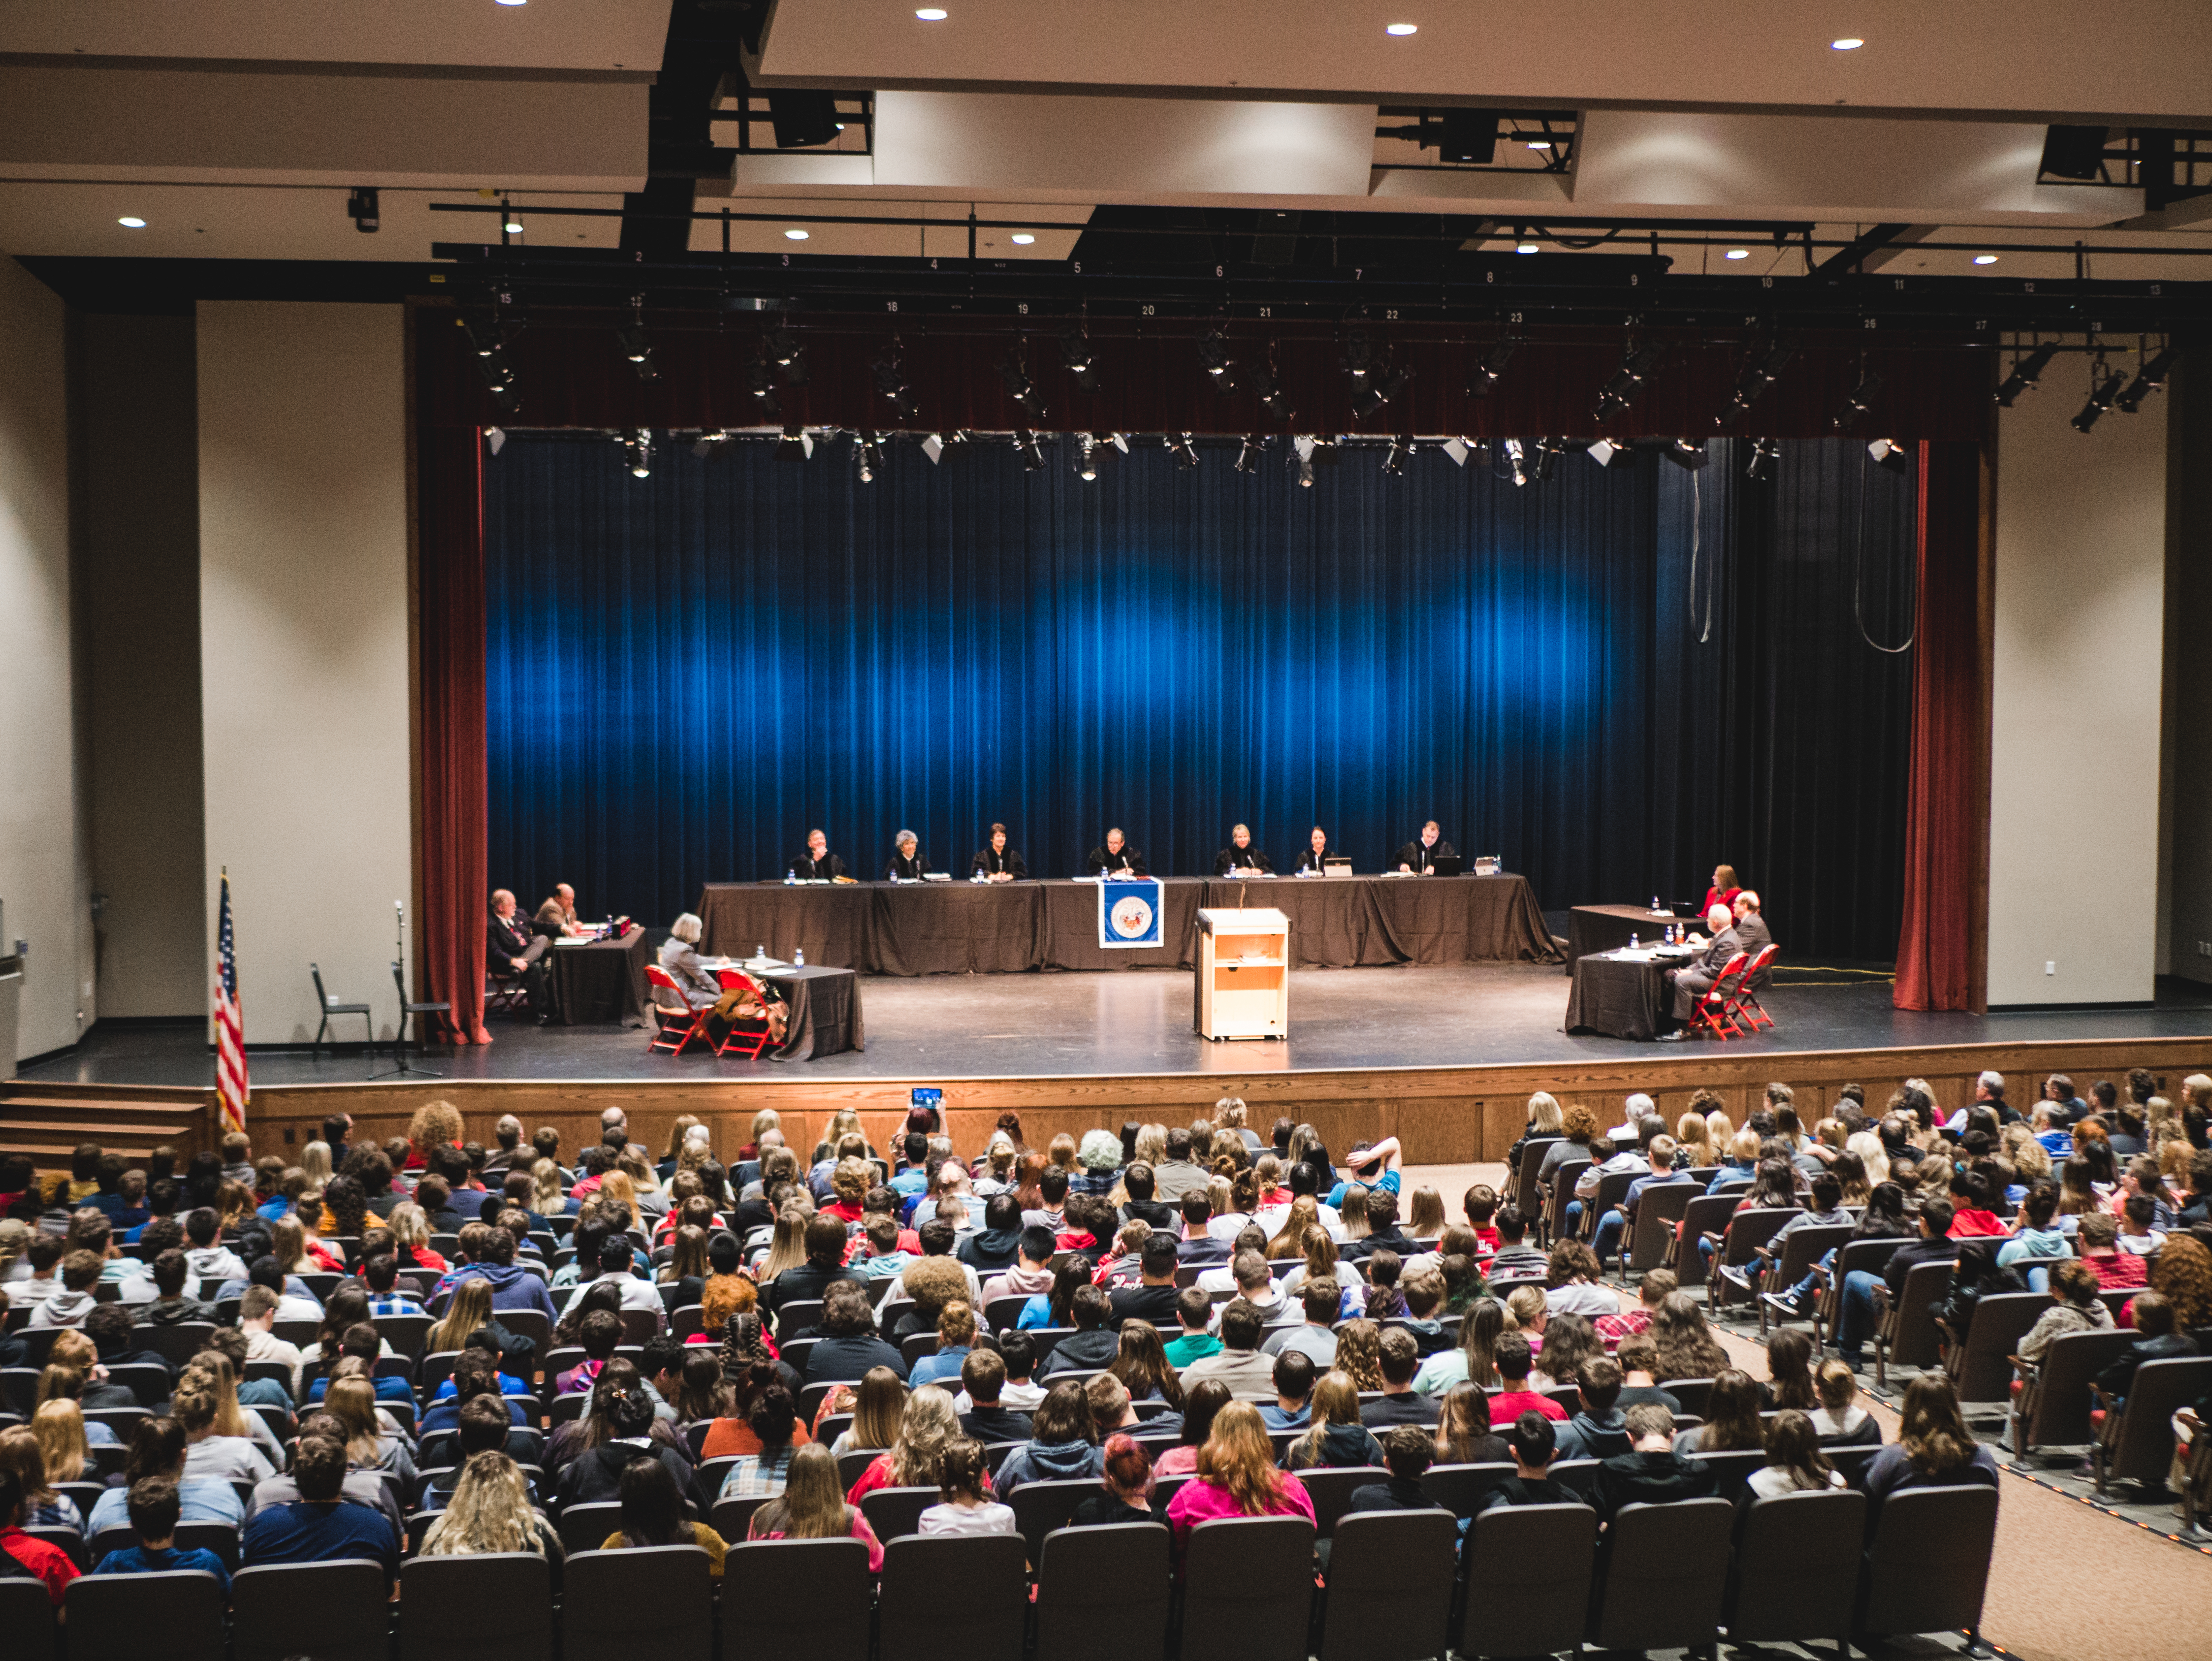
point(1694, 980)
point(1115, 856)
point(1750, 931)
point(512, 948)
point(1421, 855)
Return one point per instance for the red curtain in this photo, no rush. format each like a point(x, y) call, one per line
point(454, 883)
point(1944, 822)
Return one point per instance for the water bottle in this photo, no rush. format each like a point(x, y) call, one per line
point(1655, 906)
point(760, 954)
point(895, 876)
point(791, 878)
point(799, 956)
point(1631, 940)
point(1102, 874)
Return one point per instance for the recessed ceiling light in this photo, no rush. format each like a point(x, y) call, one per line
point(1539, 143)
point(510, 2)
point(131, 222)
point(1525, 247)
point(1849, 43)
point(514, 227)
point(1737, 253)
point(1401, 29)
point(796, 236)
point(1985, 259)
point(1024, 237)
point(931, 14)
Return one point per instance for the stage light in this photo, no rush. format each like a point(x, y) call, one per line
point(1022, 238)
point(1737, 253)
point(1075, 353)
point(1381, 386)
point(1402, 29)
point(361, 208)
point(1086, 462)
point(2151, 378)
point(797, 444)
point(1758, 373)
point(1303, 448)
point(1358, 354)
point(1492, 365)
point(2103, 390)
point(1524, 248)
point(1518, 457)
point(1213, 357)
point(795, 234)
point(494, 439)
point(637, 454)
point(1765, 453)
point(485, 341)
point(710, 444)
point(1268, 387)
point(940, 448)
point(2073, 152)
point(1889, 454)
point(934, 447)
point(1546, 457)
point(890, 382)
point(1248, 455)
point(131, 222)
point(1605, 452)
point(788, 353)
point(1687, 455)
point(1031, 445)
point(2026, 372)
point(1019, 387)
point(1394, 459)
point(1858, 402)
point(1985, 259)
point(1539, 143)
point(634, 346)
point(761, 384)
point(867, 456)
point(1182, 448)
point(1305, 471)
point(1459, 449)
point(1849, 43)
point(1627, 383)
point(931, 14)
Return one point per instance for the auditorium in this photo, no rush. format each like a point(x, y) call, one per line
point(1104, 833)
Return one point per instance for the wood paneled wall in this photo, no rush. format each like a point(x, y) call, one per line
point(1443, 1116)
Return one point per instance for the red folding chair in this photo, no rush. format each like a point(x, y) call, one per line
point(1746, 1005)
point(1710, 1013)
point(747, 1038)
point(681, 1026)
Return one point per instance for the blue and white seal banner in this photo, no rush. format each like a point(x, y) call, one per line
point(1129, 913)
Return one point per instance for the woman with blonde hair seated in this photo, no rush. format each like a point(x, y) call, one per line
point(489, 1513)
point(23, 1450)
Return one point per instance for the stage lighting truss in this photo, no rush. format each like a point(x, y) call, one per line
point(487, 342)
point(2026, 372)
point(797, 444)
point(1179, 446)
point(1627, 383)
point(1075, 353)
point(711, 444)
point(637, 451)
point(786, 354)
point(867, 456)
point(1492, 365)
point(2104, 390)
point(1213, 357)
point(1758, 373)
point(1858, 401)
point(1268, 386)
point(1765, 453)
point(634, 346)
point(1250, 454)
point(890, 382)
point(2150, 378)
point(1013, 372)
point(1031, 447)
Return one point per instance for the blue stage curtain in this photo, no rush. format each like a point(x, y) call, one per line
point(687, 672)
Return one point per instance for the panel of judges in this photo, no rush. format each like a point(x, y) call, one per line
point(998, 922)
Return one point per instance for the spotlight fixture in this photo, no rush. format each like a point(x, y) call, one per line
point(1758, 373)
point(1627, 383)
point(1605, 452)
point(2026, 372)
point(1394, 459)
point(637, 452)
point(1075, 353)
point(788, 353)
point(1492, 365)
point(710, 444)
point(1248, 456)
point(1460, 448)
point(867, 456)
point(487, 342)
point(1518, 456)
point(634, 346)
point(2151, 378)
point(1858, 402)
point(1305, 470)
point(761, 384)
point(934, 448)
point(1889, 454)
point(1545, 457)
point(797, 444)
point(1213, 357)
point(494, 439)
point(890, 381)
point(1304, 447)
point(1019, 387)
point(1268, 386)
point(361, 206)
point(1685, 454)
point(2103, 389)
point(1180, 447)
point(1378, 386)
point(941, 447)
point(1031, 447)
point(1765, 453)
point(1086, 461)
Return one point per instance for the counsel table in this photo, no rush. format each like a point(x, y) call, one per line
point(1622, 994)
point(934, 928)
point(822, 1007)
point(1607, 927)
point(596, 983)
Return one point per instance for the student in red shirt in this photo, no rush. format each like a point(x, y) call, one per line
point(1971, 1216)
point(1513, 1359)
point(31, 1555)
point(1481, 1204)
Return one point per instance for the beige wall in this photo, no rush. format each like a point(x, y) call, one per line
point(43, 860)
point(138, 541)
point(304, 648)
point(2079, 631)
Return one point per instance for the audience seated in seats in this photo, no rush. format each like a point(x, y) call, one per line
point(773, 1423)
point(1063, 1444)
point(1473, 1358)
point(1095, 1344)
point(1463, 1433)
point(1532, 1442)
point(1140, 1365)
point(2074, 1307)
point(1126, 1479)
point(2182, 1275)
point(599, 1334)
point(321, 1524)
point(218, 1445)
point(876, 1405)
point(1292, 1407)
point(1399, 1358)
point(1840, 1421)
point(1933, 1448)
point(1795, 1463)
point(1239, 1363)
point(1407, 1452)
point(810, 1280)
point(1687, 1346)
point(653, 1513)
point(2096, 1238)
point(475, 1373)
point(483, 1428)
point(622, 1425)
point(157, 1449)
point(2155, 1340)
point(956, 1338)
point(987, 1419)
point(154, 1511)
point(28, 1554)
point(1514, 1398)
point(1788, 1373)
point(373, 1441)
point(1599, 1430)
point(965, 1505)
point(1653, 1472)
point(811, 1508)
point(1650, 1291)
point(1640, 1374)
point(1335, 1436)
point(848, 1346)
point(1732, 1422)
point(45, 1506)
point(1237, 1476)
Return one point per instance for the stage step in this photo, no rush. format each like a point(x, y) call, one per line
point(47, 1121)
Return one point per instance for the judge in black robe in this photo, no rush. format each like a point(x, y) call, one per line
point(1240, 854)
point(998, 862)
point(1315, 858)
point(907, 863)
point(1422, 854)
point(817, 860)
point(1115, 857)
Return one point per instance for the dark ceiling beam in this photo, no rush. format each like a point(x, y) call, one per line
point(1845, 261)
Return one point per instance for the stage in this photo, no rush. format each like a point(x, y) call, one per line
point(1443, 1057)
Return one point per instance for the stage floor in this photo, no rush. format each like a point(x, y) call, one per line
point(1095, 1025)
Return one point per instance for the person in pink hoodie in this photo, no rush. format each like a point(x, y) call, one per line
point(1236, 1477)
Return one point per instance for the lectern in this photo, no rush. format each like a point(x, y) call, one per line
point(1244, 972)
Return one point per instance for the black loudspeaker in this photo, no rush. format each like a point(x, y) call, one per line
point(2073, 152)
point(1468, 135)
point(803, 119)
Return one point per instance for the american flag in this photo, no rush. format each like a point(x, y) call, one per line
point(231, 1087)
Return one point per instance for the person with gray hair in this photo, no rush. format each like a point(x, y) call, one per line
point(679, 956)
point(1988, 1092)
point(512, 948)
point(907, 864)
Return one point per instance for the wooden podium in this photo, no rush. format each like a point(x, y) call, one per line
point(1243, 971)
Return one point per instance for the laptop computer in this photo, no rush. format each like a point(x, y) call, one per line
point(1448, 864)
point(1336, 865)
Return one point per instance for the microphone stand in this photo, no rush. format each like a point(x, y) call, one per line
point(399, 1036)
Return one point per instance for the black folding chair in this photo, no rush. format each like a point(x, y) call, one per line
point(1102, 1593)
point(648, 1600)
point(1389, 1592)
point(330, 1006)
point(992, 1574)
point(343, 1602)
